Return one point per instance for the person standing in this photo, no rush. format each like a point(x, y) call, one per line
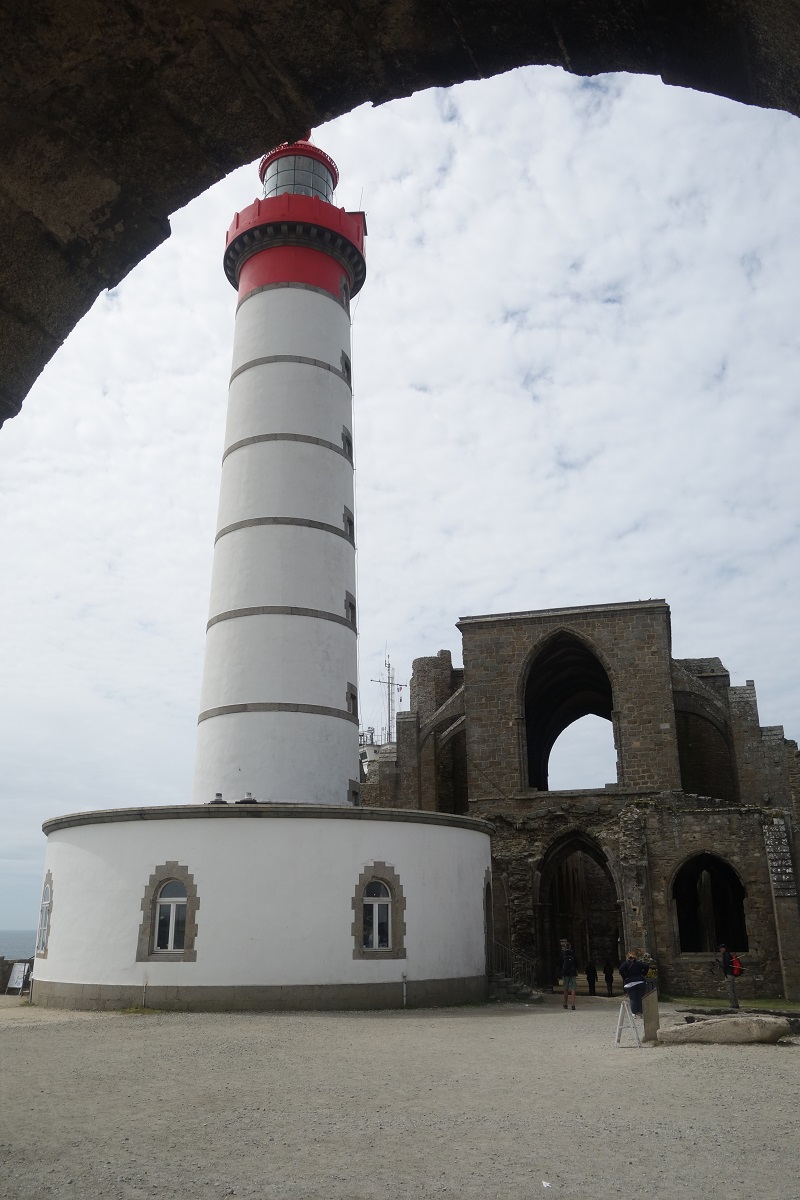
point(634, 974)
point(608, 975)
point(591, 977)
point(730, 978)
point(569, 972)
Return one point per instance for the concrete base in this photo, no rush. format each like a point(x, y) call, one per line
point(420, 993)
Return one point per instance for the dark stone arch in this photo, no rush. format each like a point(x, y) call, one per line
point(577, 896)
point(706, 755)
point(116, 114)
point(708, 898)
point(565, 681)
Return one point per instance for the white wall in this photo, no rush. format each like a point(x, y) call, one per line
point(258, 753)
point(291, 321)
point(306, 568)
point(270, 658)
point(275, 899)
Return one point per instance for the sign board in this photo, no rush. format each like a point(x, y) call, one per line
point(17, 977)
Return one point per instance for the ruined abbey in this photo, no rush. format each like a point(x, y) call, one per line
point(693, 844)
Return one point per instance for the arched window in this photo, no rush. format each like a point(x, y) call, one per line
point(168, 927)
point(706, 757)
point(709, 906)
point(377, 906)
point(566, 681)
point(379, 927)
point(45, 917)
point(170, 922)
point(583, 756)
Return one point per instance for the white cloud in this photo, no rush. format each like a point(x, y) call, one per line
point(575, 359)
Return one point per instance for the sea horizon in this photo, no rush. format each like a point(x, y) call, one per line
point(17, 944)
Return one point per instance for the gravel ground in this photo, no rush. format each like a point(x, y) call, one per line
point(475, 1102)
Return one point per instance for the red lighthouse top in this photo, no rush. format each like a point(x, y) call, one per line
point(298, 168)
point(295, 233)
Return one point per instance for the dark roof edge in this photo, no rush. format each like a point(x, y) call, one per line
point(215, 812)
point(565, 612)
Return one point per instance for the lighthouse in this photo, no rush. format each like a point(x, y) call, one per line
point(278, 715)
point(388, 907)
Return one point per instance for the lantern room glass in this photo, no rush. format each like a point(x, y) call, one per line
point(298, 175)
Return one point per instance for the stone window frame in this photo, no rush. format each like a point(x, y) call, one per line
point(347, 443)
point(145, 951)
point(383, 873)
point(48, 920)
point(351, 699)
point(349, 524)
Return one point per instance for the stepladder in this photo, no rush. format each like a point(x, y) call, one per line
point(626, 1018)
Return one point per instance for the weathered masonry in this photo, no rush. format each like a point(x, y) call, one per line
point(116, 114)
point(693, 844)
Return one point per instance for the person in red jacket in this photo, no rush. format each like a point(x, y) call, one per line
point(730, 978)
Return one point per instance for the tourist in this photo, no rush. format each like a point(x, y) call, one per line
point(634, 974)
point(608, 975)
point(591, 977)
point(730, 978)
point(569, 972)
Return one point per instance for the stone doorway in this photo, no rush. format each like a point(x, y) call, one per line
point(579, 902)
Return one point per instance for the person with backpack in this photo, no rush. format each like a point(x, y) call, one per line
point(729, 964)
point(569, 972)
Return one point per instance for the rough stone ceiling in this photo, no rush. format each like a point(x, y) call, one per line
point(117, 112)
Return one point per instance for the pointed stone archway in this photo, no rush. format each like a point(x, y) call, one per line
point(577, 897)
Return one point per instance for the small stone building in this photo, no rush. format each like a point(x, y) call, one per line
point(693, 844)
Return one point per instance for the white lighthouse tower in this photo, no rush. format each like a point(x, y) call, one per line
point(388, 907)
point(279, 705)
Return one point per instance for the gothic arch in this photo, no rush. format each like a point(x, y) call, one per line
point(563, 679)
point(576, 895)
point(705, 747)
point(188, 96)
point(708, 903)
point(575, 839)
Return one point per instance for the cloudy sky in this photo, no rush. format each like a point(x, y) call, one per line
point(576, 382)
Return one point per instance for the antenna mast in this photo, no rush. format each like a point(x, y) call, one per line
point(391, 686)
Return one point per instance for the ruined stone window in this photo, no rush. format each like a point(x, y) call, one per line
point(45, 917)
point(169, 916)
point(566, 681)
point(708, 899)
point(706, 757)
point(379, 927)
point(583, 756)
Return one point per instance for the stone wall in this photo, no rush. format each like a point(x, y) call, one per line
point(630, 641)
point(697, 775)
point(114, 116)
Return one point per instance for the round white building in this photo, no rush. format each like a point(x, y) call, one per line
point(274, 889)
point(263, 906)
